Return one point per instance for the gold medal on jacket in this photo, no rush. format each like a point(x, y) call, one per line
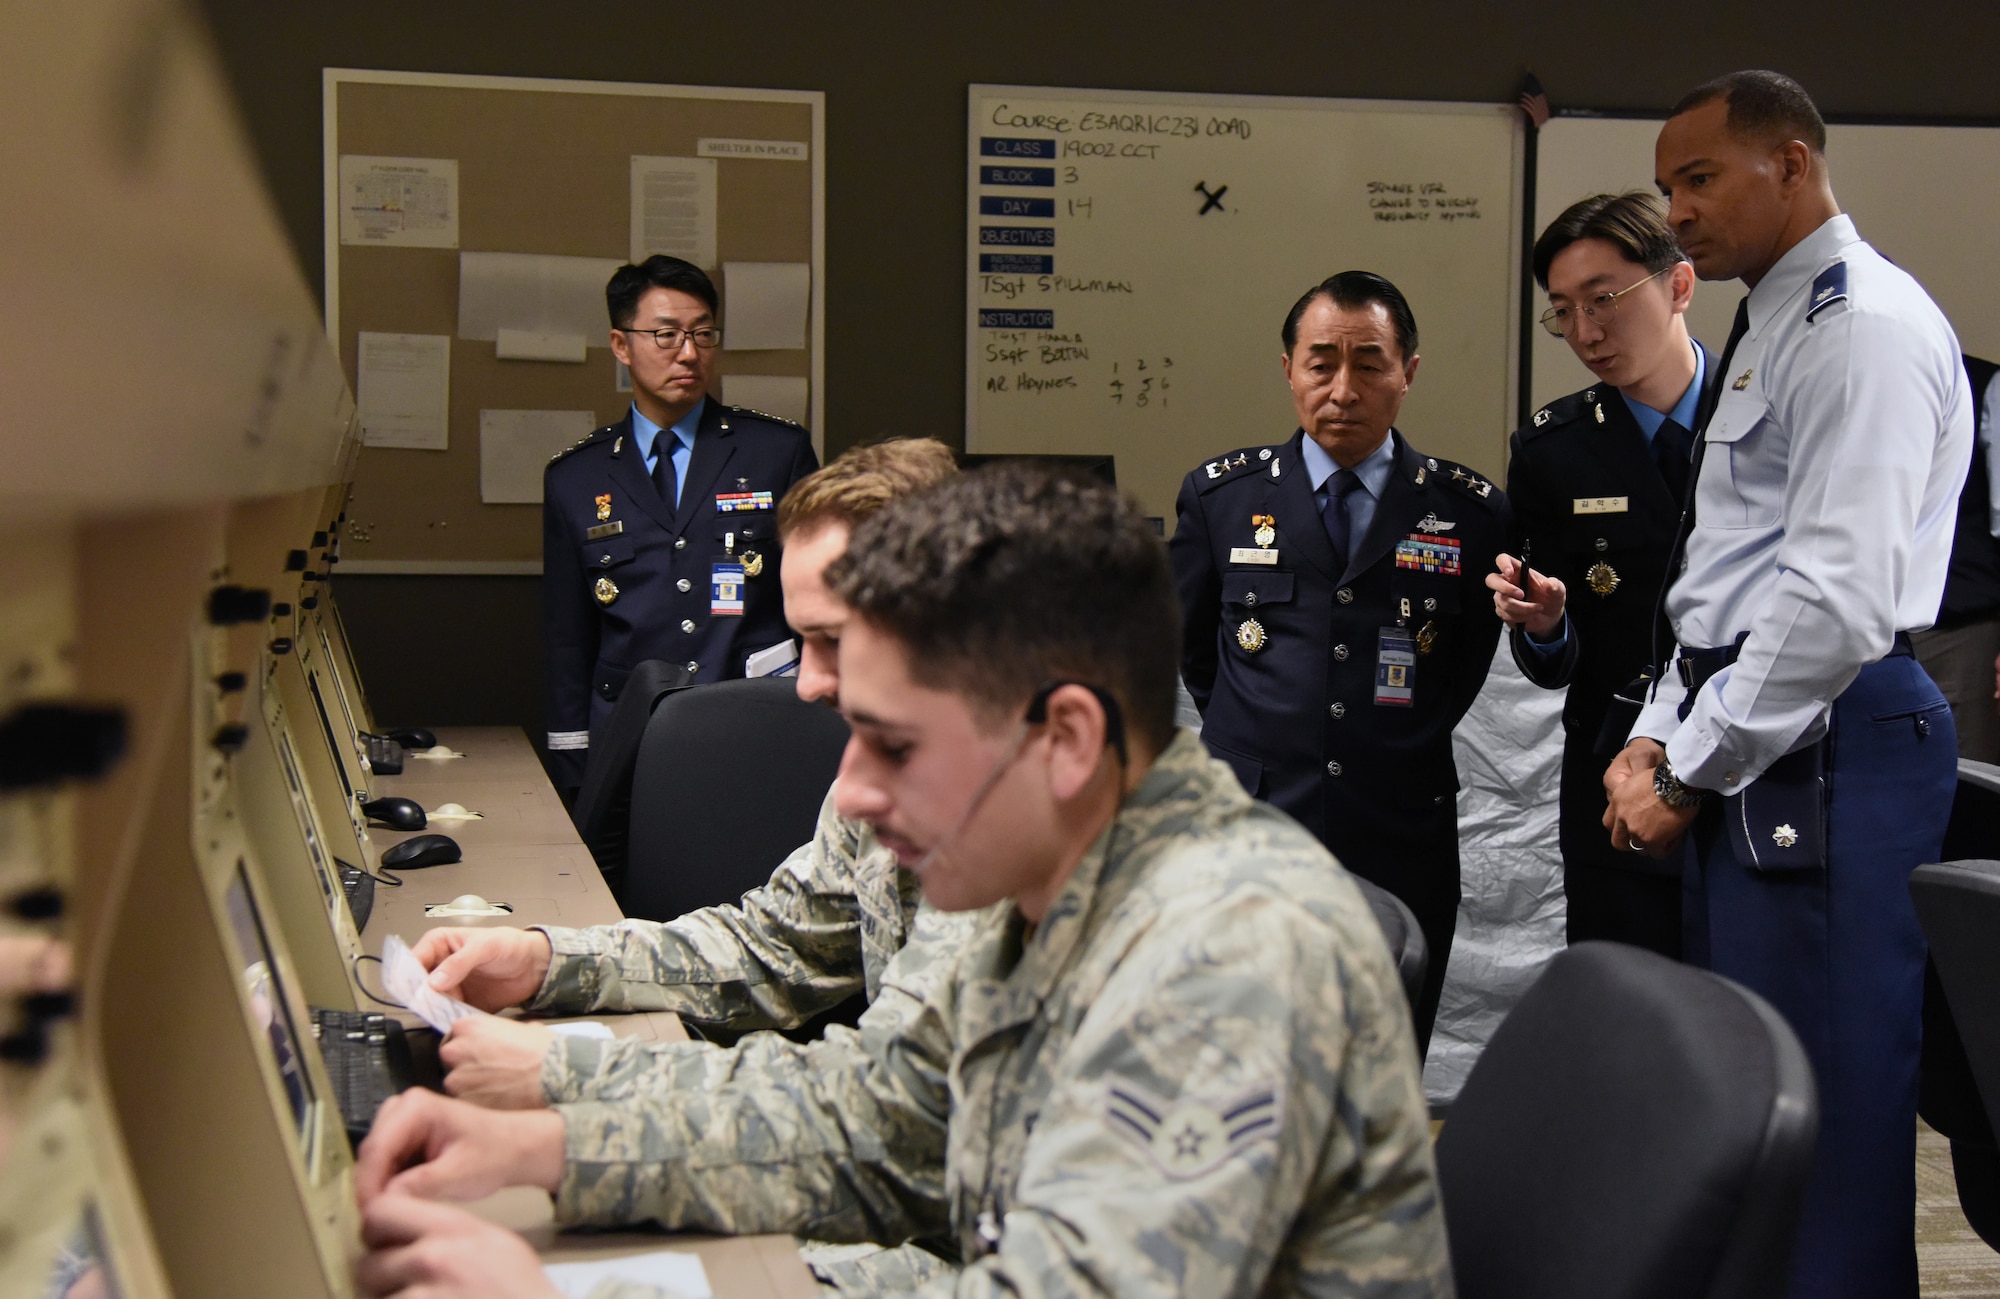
point(1267, 530)
point(606, 590)
point(1601, 578)
point(753, 563)
point(604, 507)
point(1427, 636)
point(1250, 635)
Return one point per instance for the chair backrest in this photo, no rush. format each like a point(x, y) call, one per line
point(603, 811)
point(1948, 1096)
point(1636, 1129)
point(1958, 904)
point(730, 779)
point(1406, 940)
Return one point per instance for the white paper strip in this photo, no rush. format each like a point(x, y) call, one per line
point(525, 345)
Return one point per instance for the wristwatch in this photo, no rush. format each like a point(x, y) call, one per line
point(1670, 790)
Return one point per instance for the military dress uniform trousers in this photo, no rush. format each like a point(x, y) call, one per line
point(1839, 953)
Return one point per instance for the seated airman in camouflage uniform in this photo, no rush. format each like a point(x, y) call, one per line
point(836, 917)
point(1175, 1059)
point(833, 916)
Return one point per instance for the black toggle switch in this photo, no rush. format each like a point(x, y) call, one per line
point(44, 903)
point(228, 605)
point(43, 744)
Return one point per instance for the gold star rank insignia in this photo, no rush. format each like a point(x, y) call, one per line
point(604, 507)
point(1266, 530)
point(1250, 635)
point(1602, 579)
point(1785, 836)
point(606, 590)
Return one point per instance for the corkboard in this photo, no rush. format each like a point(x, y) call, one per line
point(544, 167)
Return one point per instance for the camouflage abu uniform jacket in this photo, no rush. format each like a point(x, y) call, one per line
point(1196, 1076)
point(827, 925)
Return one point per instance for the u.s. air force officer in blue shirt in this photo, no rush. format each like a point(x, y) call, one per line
point(659, 532)
point(1798, 736)
point(1335, 624)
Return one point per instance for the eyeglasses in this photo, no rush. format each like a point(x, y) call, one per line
point(670, 340)
point(1602, 308)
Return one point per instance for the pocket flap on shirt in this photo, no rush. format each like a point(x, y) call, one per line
point(1735, 415)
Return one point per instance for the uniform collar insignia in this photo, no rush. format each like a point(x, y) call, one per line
point(1541, 417)
point(1742, 380)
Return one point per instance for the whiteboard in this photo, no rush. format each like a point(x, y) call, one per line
point(1131, 256)
point(1925, 196)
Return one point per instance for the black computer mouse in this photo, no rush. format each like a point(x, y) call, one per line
point(411, 737)
point(424, 850)
point(396, 813)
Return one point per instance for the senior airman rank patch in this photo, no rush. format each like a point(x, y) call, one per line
point(1190, 1136)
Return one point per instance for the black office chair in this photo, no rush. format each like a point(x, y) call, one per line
point(1636, 1129)
point(730, 778)
point(1958, 904)
point(603, 809)
point(1406, 941)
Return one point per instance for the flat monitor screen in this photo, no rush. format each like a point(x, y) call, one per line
point(330, 668)
point(296, 788)
point(340, 750)
point(277, 1035)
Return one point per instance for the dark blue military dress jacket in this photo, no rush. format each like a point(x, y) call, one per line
point(628, 577)
point(1333, 693)
point(1589, 501)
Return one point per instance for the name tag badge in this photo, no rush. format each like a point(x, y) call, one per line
point(1396, 668)
point(1601, 504)
point(1427, 554)
point(739, 502)
point(1253, 555)
point(603, 530)
point(725, 590)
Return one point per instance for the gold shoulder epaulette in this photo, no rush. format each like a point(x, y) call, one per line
point(580, 443)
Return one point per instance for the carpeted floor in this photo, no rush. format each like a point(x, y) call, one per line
point(1952, 1262)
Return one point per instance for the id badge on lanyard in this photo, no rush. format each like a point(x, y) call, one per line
point(725, 589)
point(1396, 668)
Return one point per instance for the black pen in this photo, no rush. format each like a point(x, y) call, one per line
point(1527, 548)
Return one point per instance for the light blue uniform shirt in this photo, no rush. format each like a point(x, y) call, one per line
point(1374, 474)
point(646, 434)
point(1825, 509)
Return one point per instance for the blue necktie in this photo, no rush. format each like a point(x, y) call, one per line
point(1343, 484)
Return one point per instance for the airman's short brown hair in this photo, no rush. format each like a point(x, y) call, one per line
point(860, 481)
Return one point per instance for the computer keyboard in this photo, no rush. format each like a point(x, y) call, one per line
point(385, 757)
point(359, 886)
point(368, 1060)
